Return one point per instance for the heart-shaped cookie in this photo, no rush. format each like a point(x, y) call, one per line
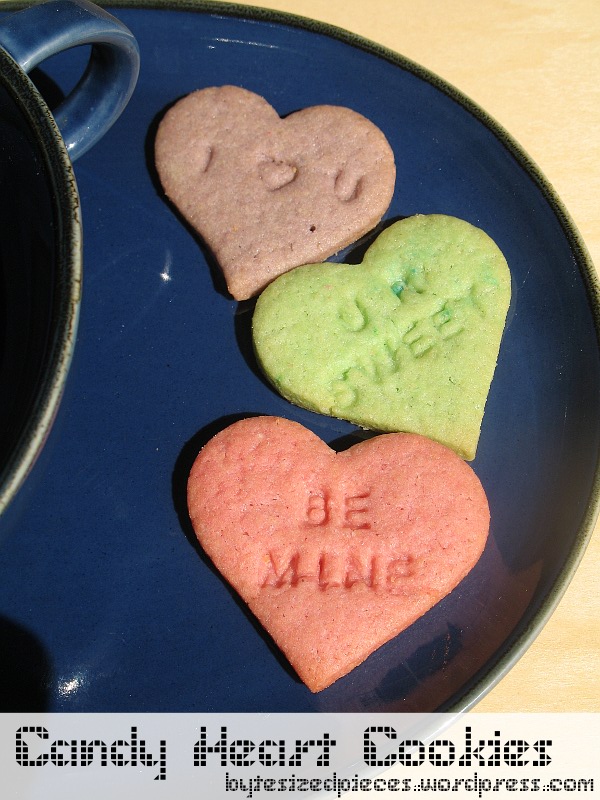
point(265, 193)
point(335, 553)
point(406, 341)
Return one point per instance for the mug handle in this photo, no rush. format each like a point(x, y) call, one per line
point(38, 32)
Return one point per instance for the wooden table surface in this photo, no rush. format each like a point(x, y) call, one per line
point(534, 66)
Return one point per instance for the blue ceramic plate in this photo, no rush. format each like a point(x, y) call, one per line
point(107, 603)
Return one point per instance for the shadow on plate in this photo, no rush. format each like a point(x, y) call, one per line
point(25, 670)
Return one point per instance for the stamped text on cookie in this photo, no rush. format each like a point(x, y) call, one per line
point(350, 511)
point(328, 513)
point(334, 570)
point(381, 358)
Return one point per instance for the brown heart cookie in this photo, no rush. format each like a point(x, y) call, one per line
point(335, 553)
point(268, 194)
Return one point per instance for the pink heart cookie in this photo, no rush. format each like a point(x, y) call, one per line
point(335, 553)
point(268, 194)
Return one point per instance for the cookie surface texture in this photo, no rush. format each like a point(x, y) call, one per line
point(406, 341)
point(335, 553)
point(265, 193)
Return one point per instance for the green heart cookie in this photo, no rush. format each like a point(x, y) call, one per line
point(406, 341)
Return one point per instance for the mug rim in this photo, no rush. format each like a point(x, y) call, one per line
point(67, 281)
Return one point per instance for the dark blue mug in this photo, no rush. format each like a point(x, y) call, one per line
point(40, 218)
